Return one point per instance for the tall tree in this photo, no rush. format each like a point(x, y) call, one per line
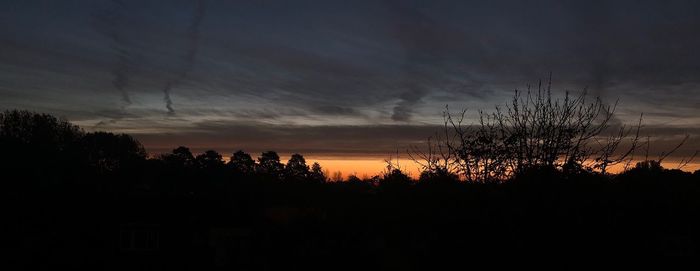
point(296, 168)
point(108, 152)
point(242, 163)
point(269, 165)
point(181, 156)
point(317, 174)
point(25, 134)
point(209, 160)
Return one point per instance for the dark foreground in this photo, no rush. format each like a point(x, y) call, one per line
point(157, 223)
point(94, 201)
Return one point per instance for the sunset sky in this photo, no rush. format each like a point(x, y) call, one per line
point(343, 82)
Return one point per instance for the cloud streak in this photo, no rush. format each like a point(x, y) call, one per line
point(416, 33)
point(190, 55)
point(325, 63)
point(109, 22)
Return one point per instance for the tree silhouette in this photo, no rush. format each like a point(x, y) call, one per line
point(316, 174)
point(242, 163)
point(181, 157)
point(39, 131)
point(395, 180)
point(209, 160)
point(534, 131)
point(108, 152)
point(296, 168)
point(269, 165)
point(26, 135)
point(438, 175)
point(352, 178)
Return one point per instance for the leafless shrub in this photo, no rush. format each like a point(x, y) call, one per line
point(437, 156)
point(534, 131)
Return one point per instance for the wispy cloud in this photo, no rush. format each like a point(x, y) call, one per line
point(335, 63)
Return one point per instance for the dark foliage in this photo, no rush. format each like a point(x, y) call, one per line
point(296, 168)
point(269, 165)
point(94, 201)
point(242, 164)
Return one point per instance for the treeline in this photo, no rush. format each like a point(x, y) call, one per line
point(95, 200)
point(571, 135)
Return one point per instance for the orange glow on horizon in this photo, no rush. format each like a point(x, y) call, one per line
point(375, 166)
point(370, 166)
point(362, 167)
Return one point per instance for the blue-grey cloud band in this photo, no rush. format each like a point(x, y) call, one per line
point(320, 63)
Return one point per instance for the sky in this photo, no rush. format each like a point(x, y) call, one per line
point(349, 80)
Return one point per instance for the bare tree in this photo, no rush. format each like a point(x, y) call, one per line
point(534, 131)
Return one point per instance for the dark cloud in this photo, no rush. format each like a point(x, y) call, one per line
point(191, 53)
point(109, 22)
point(335, 110)
point(347, 140)
point(352, 140)
point(404, 109)
point(367, 64)
point(422, 42)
